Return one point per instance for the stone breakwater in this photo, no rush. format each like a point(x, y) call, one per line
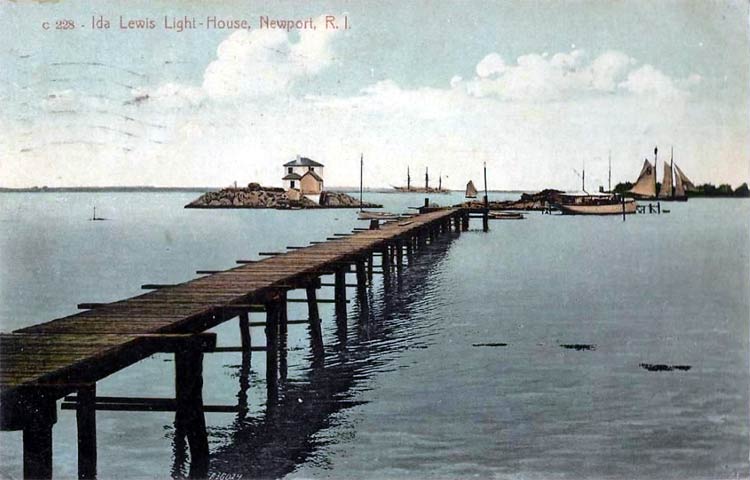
point(256, 196)
point(528, 201)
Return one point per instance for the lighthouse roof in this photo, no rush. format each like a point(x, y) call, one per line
point(303, 162)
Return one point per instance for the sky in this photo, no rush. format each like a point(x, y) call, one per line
point(537, 90)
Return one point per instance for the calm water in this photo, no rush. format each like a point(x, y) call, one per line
point(403, 392)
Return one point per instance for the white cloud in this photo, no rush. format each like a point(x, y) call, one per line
point(262, 62)
point(490, 65)
point(647, 80)
point(563, 76)
point(533, 121)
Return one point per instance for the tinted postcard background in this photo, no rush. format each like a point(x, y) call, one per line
point(184, 94)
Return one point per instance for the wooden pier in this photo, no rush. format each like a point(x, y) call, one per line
point(46, 362)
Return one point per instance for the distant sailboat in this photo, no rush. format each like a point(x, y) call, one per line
point(675, 184)
point(471, 190)
point(426, 189)
point(94, 217)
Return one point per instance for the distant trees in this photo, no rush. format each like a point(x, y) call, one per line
point(742, 191)
point(623, 187)
point(723, 190)
point(705, 190)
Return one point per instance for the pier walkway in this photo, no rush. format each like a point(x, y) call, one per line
point(43, 363)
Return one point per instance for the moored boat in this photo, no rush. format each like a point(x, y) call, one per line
point(584, 203)
point(506, 216)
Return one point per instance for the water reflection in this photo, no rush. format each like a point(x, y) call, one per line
point(286, 435)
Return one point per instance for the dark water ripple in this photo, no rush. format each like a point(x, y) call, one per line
point(397, 317)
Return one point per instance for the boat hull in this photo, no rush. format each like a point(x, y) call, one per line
point(608, 209)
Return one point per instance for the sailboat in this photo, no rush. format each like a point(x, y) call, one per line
point(601, 203)
point(426, 189)
point(471, 190)
point(645, 186)
point(674, 186)
point(674, 191)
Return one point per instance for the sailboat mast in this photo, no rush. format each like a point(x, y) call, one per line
point(583, 177)
point(440, 182)
point(408, 179)
point(486, 198)
point(656, 150)
point(426, 178)
point(609, 173)
point(361, 180)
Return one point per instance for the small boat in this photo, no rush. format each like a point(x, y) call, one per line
point(367, 215)
point(471, 190)
point(585, 203)
point(506, 216)
point(94, 218)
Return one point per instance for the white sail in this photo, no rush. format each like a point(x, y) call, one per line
point(471, 190)
point(666, 184)
point(679, 188)
point(645, 186)
point(687, 184)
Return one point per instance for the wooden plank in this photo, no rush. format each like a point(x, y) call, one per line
point(110, 336)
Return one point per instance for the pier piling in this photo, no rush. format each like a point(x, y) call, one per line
point(189, 418)
point(86, 424)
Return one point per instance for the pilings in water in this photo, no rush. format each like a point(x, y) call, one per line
point(34, 411)
point(86, 424)
point(189, 418)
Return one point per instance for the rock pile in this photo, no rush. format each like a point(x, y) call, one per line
point(254, 196)
point(342, 200)
point(529, 201)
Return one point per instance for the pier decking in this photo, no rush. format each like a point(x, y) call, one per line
point(43, 363)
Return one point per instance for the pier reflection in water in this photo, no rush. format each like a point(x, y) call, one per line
point(286, 433)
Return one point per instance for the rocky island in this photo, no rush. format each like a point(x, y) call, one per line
point(528, 201)
point(257, 196)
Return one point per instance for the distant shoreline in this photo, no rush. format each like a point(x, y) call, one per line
point(149, 189)
point(105, 189)
point(199, 189)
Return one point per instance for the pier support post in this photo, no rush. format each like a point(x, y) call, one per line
point(361, 275)
point(398, 248)
point(312, 303)
point(385, 260)
point(245, 337)
point(189, 418)
point(86, 424)
point(369, 268)
point(485, 220)
point(283, 334)
point(273, 312)
point(316, 335)
point(465, 221)
point(340, 291)
point(40, 415)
